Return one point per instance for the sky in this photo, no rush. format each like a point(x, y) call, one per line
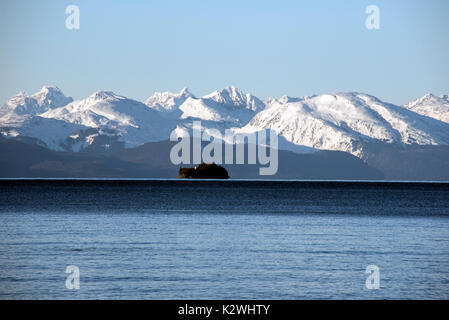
point(268, 48)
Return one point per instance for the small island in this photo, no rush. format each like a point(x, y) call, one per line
point(204, 171)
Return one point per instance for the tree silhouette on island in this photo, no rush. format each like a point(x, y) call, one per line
point(204, 171)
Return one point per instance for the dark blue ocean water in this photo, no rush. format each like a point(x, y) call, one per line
point(223, 239)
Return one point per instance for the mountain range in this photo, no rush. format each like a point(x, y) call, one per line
point(351, 122)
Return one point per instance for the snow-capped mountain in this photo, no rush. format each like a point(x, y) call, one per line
point(342, 121)
point(19, 116)
point(22, 107)
point(113, 115)
point(51, 97)
point(168, 101)
point(229, 105)
point(431, 106)
point(232, 96)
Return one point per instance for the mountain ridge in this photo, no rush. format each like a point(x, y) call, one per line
point(339, 121)
point(431, 106)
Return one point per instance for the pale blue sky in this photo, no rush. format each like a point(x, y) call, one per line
point(268, 48)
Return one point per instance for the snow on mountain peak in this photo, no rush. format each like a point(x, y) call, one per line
point(20, 104)
point(51, 97)
point(229, 105)
point(286, 99)
point(20, 94)
point(168, 101)
point(431, 106)
point(104, 94)
point(340, 121)
point(110, 114)
point(429, 95)
point(235, 97)
point(185, 92)
point(428, 99)
point(101, 109)
point(50, 89)
point(337, 121)
point(21, 107)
